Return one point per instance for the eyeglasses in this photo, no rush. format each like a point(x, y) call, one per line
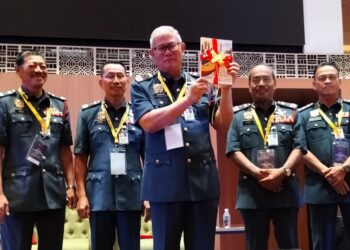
point(324, 78)
point(172, 47)
point(265, 79)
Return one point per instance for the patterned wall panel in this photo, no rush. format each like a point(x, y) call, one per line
point(88, 60)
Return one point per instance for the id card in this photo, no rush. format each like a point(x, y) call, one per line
point(189, 114)
point(117, 160)
point(173, 136)
point(340, 136)
point(37, 150)
point(123, 136)
point(272, 139)
point(340, 152)
point(266, 158)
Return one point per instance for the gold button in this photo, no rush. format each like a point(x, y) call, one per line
point(244, 177)
point(13, 174)
point(161, 102)
point(187, 144)
point(189, 160)
point(157, 161)
point(185, 128)
point(44, 170)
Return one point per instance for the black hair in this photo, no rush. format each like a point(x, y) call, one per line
point(327, 63)
point(102, 66)
point(21, 56)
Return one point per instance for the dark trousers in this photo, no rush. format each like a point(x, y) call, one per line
point(323, 219)
point(103, 225)
point(17, 230)
point(257, 227)
point(196, 220)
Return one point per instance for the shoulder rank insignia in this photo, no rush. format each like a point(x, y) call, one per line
point(305, 107)
point(58, 97)
point(6, 93)
point(85, 106)
point(241, 107)
point(288, 104)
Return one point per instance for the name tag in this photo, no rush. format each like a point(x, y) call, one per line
point(117, 161)
point(37, 150)
point(173, 136)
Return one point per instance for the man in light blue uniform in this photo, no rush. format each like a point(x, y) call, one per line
point(180, 175)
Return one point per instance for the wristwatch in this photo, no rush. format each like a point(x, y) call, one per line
point(287, 171)
point(346, 168)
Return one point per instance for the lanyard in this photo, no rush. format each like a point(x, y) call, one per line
point(167, 91)
point(335, 129)
point(268, 127)
point(45, 124)
point(115, 131)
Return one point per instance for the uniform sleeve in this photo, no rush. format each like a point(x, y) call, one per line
point(233, 138)
point(3, 124)
point(299, 140)
point(140, 102)
point(67, 138)
point(82, 143)
point(214, 101)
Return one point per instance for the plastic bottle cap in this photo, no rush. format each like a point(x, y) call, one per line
point(226, 209)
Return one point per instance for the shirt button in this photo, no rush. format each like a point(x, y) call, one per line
point(22, 118)
point(189, 160)
point(316, 125)
point(177, 90)
point(99, 128)
point(55, 120)
point(44, 170)
point(13, 174)
point(248, 129)
point(161, 102)
point(187, 144)
point(244, 177)
point(157, 161)
point(283, 127)
point(185, 128)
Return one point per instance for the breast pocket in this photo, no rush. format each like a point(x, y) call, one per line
point(22, 124)
point(56, 126)
point(100, 134)
point(316, 131)
point(249, 136)
point(285, 133)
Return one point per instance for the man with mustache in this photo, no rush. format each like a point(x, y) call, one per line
point(37, 177)
point(265, 139)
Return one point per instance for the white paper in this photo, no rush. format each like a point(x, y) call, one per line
point(173, 136)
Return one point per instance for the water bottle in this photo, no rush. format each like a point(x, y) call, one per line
point(226, 218)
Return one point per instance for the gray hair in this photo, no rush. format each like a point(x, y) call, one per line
point(162, 30)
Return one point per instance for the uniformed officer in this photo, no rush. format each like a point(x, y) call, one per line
point(108, 150)
point(326, 126)
point(265, 139)
point(35, 159)
point(180, 175)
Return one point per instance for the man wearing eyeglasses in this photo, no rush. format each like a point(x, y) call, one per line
point(108, 150)
point(326, 125)
point(180, 176)
point(265, 139)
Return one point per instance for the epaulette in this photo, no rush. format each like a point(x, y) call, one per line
point(305, 107)
point(143, 77)
point(194, 75)
point(241, 107)
point(288, 105)
point(57, 97)
point(7, 93)
point(90, 105)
